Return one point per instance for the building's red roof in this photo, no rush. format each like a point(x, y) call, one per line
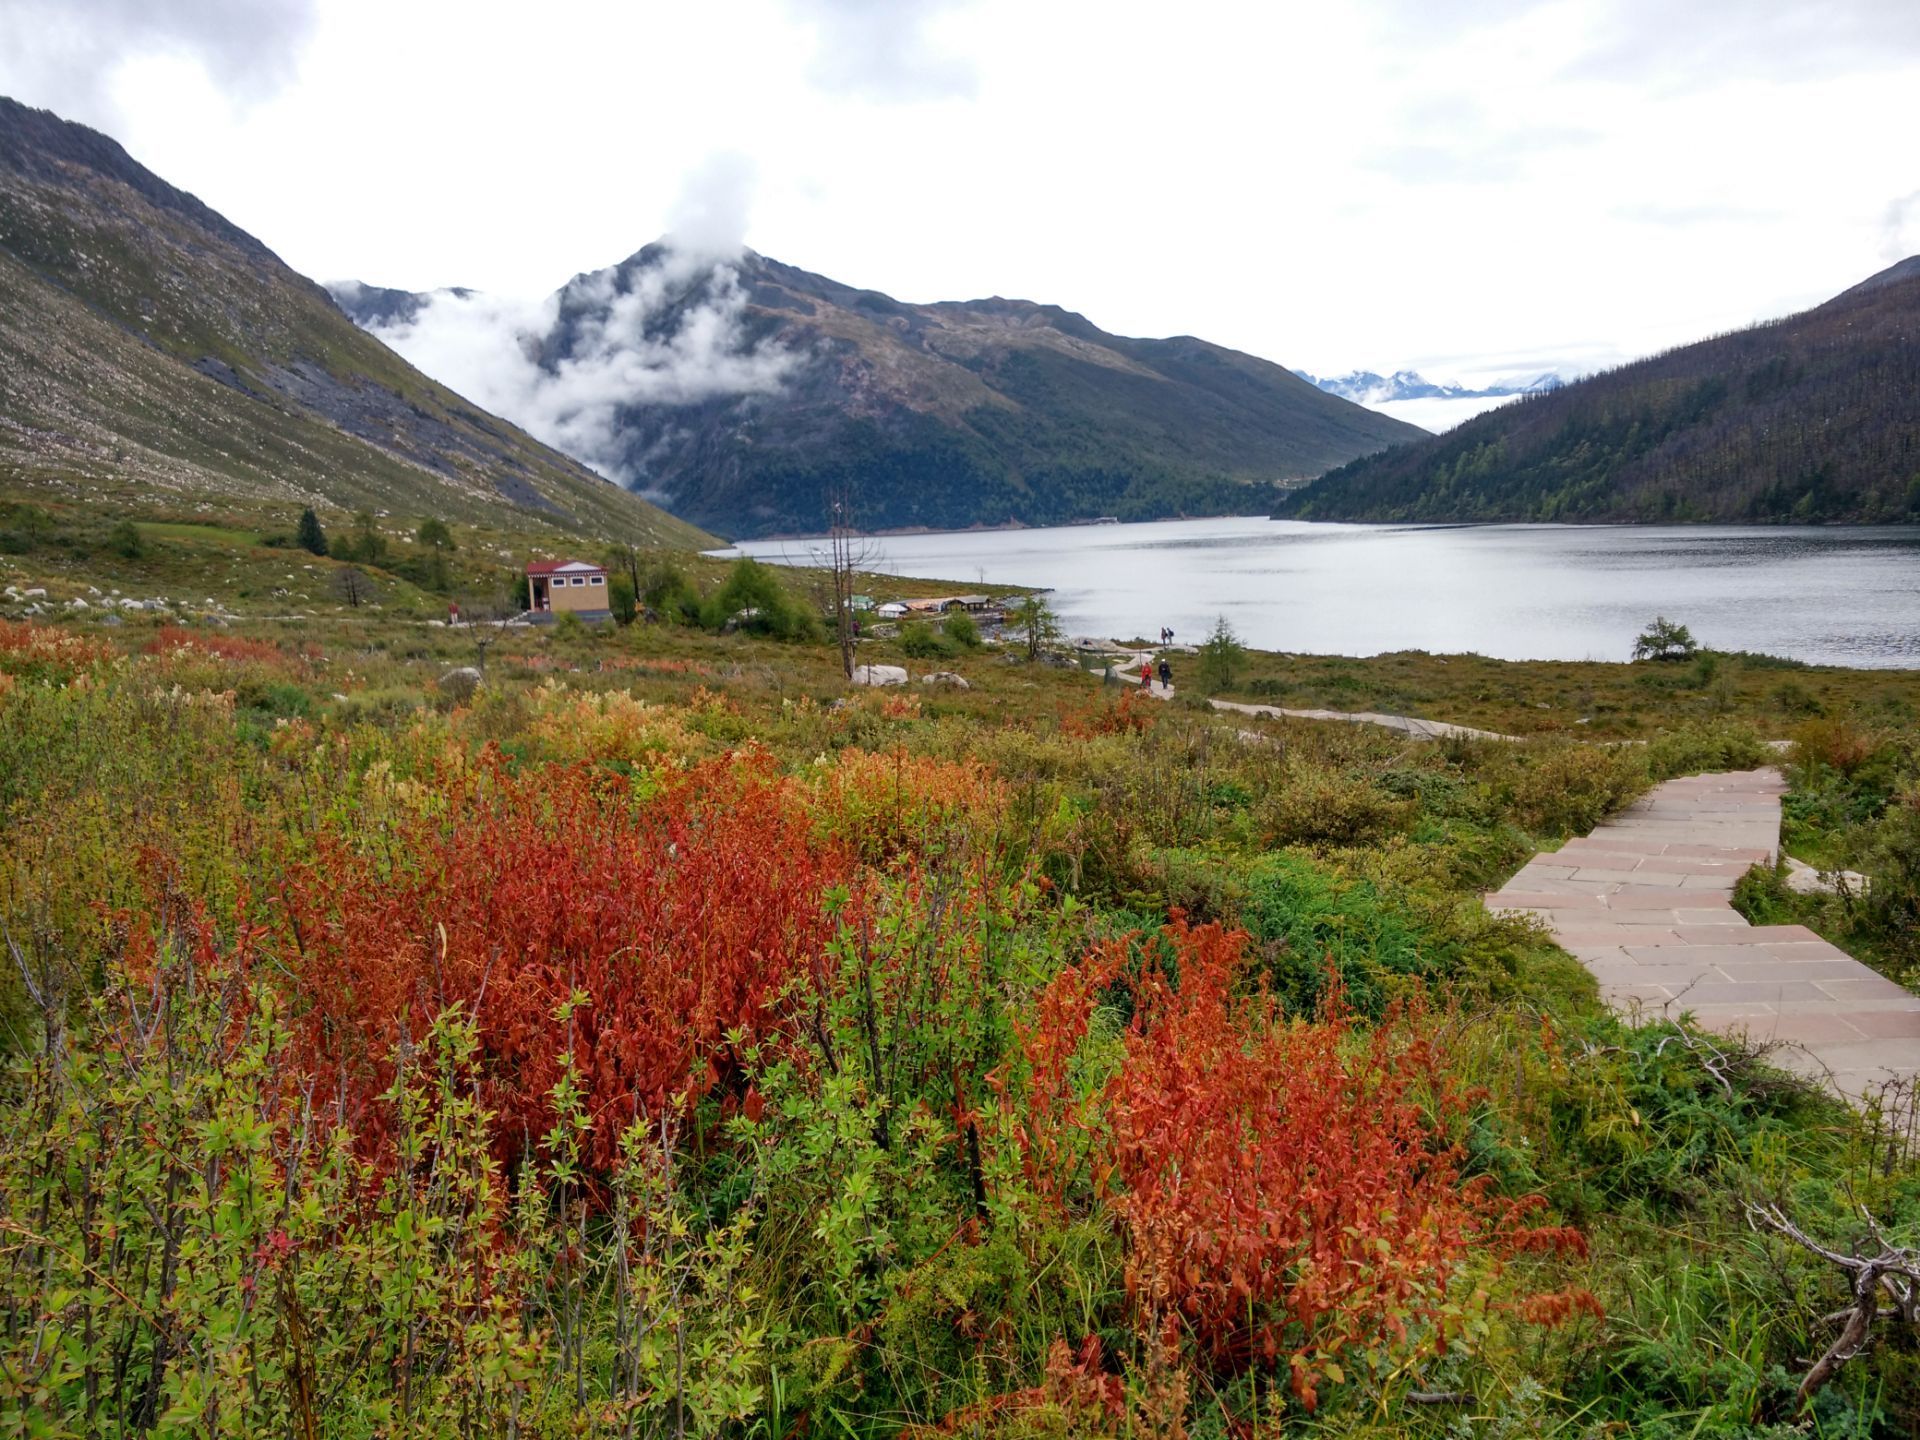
point(553, 567)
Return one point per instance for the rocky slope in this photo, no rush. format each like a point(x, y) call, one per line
point(1812, 418)
point(751, 397)
point(155, 356)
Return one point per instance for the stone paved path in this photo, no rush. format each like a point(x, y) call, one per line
point(1643, 902)
point(1405, 724)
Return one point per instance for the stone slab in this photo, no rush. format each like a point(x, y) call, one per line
point(1642, 903)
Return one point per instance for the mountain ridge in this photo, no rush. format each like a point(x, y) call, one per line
point(1814, 417)
point(938, 415)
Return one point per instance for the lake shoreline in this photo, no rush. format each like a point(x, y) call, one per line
point(1837, 595)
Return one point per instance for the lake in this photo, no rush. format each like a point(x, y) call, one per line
point(1840, 595)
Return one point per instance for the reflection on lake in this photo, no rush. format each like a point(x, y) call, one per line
point(1832, 595)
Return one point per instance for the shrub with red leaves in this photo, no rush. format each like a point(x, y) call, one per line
point(680, 919)
point(1288, 1189)
point(47, 652)
point(226, 647)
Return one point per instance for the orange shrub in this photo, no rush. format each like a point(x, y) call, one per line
point(1134, 713)
point(882, 805)
point(1289, 1190)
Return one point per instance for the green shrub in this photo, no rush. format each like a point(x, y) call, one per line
point(960, 629)
point(920, 641)
point(1704, 748)
point(669, 596)
point(622, 599)
point(1312, 918)
point(1317, 805)
point(125, 540)
point(1568, 789)
point(754, 600)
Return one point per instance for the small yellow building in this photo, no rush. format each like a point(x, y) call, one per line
point(557, 587)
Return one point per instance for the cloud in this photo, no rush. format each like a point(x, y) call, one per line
point(881, 50)
point(665, 333)
point(1901, 235)
point(64, 54)
point(1497, 156)
point(1684, 46)
point(709, 220)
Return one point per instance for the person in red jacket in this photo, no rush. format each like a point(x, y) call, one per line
point(1146, 675)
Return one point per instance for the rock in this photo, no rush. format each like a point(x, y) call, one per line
point(947, 678)
point(879, 675)
point(1805, 880)
point(76, 603)
point(35, 592)
point(461, 683)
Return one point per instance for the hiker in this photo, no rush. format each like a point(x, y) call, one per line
point(1146, 675)
point(1166, 674)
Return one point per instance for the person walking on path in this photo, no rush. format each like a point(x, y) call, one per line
point(1146, 675)
point(1166, 674)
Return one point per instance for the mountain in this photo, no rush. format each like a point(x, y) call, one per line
point(751, 397)
point(1812, 418)
point(1364, 387)
point(154, 355)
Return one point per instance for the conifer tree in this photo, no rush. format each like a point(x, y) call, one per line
point(310, 536)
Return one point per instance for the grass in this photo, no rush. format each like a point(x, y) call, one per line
point(1589, 699)
point(830, 1258)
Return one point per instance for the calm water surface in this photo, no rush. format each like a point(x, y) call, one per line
point(1831, 595)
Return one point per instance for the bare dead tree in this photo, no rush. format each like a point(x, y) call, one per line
point(849, 554)
point(485, 618)
point(1884, 1286)
point(353, 585)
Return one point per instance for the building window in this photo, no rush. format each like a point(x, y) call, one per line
point(598, 580)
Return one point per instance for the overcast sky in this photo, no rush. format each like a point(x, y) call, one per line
point(1470, 187)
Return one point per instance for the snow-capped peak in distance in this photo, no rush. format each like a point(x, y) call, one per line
point(1366, 387)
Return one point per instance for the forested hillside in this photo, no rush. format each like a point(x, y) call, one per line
point(1812, 418)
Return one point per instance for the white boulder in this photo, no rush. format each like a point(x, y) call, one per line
point(879, 675)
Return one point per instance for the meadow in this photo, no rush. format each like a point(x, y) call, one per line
point(656, 1038)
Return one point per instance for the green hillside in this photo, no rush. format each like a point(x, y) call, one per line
point(154, 359)
point(1812, 418)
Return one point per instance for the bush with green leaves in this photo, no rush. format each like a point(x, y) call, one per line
point(125, 540)
point(1664, 639)
point(754, 599)
point(918, 640)
point(960, 628)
